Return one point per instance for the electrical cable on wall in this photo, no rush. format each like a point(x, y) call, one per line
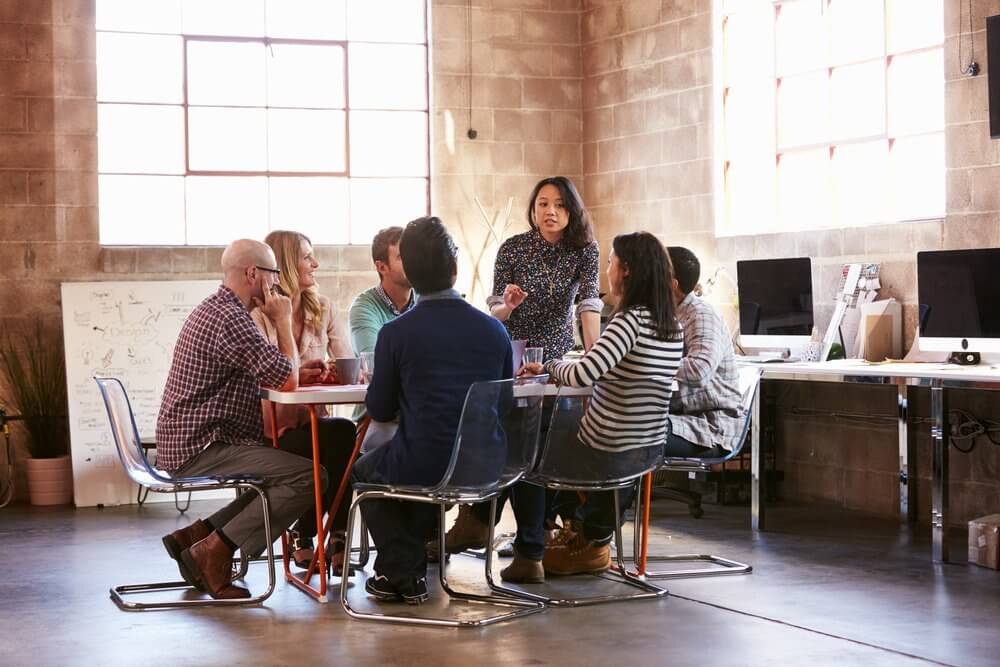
point(972, 67)
point(964, 426)
point(471, 132)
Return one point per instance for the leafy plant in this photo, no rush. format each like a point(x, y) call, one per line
point(35, 377)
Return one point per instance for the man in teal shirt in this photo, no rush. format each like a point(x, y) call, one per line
point(383, 303)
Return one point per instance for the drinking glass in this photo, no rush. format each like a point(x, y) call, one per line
point(367, 366)
point(533, 355)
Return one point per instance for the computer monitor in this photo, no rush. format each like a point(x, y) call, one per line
point(959, 296)
point(776, 303)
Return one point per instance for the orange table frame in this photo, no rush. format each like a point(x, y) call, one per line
point(322, 527)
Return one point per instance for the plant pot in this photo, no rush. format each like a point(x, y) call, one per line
point(50, 481)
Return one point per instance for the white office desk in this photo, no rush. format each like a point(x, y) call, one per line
point(939, 377)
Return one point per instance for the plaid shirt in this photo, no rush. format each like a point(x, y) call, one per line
point(213, 388)
point(705, 409)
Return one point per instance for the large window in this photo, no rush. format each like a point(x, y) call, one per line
point(220, 119)
point(831, 113)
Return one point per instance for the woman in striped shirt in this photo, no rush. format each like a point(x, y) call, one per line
point(633, 363)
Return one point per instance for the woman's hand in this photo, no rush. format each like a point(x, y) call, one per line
point(312, 371)
point(528, 370)
point(513, 296)
point(330, 373)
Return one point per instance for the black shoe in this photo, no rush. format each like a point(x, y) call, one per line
point(407, 589)
point(412, 590)
point(380, 588)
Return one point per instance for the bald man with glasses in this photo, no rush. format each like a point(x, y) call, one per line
point(210, 419)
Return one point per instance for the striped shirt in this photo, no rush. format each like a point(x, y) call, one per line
point(635, 372)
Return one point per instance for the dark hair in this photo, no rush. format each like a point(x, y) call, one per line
point(429, 255)
point(579, 233)
point(648, 280)
point(687, 268)
point(383, 240)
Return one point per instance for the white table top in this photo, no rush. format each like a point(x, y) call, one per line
point(343, 394)
point(949, 374)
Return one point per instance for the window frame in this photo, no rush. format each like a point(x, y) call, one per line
point(725, 224)
point(267, 41)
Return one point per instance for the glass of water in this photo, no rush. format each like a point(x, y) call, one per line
point(367, 366)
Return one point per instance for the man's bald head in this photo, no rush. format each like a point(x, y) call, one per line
point(241, 269)
point(244, 253)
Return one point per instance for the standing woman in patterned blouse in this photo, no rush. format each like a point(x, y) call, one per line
point(538, 278)
point(546, 275)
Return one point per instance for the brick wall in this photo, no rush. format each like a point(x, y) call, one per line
point(854, 464)
point(616, 94)
point(525, 82)
point(520, 73)
point(647, 112)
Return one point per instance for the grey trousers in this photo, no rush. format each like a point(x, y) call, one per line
point(288, 483)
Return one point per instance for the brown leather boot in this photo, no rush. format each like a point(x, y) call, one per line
point(467, 533)
point(523, 571)
point(210, 561)
point(179, 540)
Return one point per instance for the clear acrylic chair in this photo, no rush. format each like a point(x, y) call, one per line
point(568, 464)
point(749, 381)
point(496, 444)
point(129, 445)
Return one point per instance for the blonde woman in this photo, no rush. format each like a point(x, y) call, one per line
point(318, 339)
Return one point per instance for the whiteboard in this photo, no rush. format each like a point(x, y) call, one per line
point(125, 330)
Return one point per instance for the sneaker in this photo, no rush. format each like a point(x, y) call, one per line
point(380, 588)
point(413, 590)
point(467, 533)
point(523, 571)
point(410, 590)
point(578, 556)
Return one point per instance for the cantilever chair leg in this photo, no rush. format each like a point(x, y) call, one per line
point(177, 503)
point(520, 607)
point(618, 573)
point(719, 565)
point(118, 593)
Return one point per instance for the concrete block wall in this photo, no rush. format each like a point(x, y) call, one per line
point(647, 120)
point(616, 94)
point(511, 70)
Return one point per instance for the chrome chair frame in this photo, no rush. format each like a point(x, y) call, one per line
point(130, 453)
point(618, 571)
point(142, 493)
point(443, 496)
point(720, 565)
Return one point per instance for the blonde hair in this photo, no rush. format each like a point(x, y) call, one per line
point(287, 247)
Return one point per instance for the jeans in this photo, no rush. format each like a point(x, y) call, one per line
point(399, 529)
point(598, 512)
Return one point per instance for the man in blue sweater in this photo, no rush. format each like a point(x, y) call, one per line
point(426, 359)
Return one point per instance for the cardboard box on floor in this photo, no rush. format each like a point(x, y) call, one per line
point(984, 541)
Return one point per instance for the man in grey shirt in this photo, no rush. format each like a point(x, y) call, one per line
point(706, 417)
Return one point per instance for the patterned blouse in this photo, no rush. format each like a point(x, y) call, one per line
point(555, 277)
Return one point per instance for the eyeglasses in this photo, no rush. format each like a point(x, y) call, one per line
point(276, 272)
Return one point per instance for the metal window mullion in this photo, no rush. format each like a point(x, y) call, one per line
point(187, 134)
point(775, 174)
point(348, 112)
point(427, 97)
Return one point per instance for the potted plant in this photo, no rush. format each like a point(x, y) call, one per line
point(34, 384)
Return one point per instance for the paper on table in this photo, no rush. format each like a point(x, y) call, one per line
point(880, 330)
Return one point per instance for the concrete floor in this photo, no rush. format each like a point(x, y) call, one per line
point(827, 588)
